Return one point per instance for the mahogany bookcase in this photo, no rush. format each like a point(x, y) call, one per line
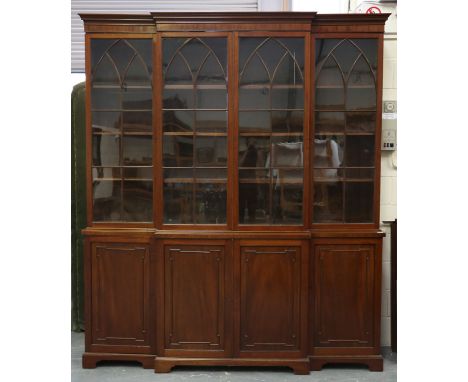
point(233, 183)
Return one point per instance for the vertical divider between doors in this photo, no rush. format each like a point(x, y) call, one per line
point(88, 131)
point(312, 129)
point(233, 126)
point(158, 206)
point(307, 128)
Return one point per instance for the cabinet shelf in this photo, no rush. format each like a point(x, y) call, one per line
point(195, 180)
point(196, 86)
point(123, 88)
point(193, 133)
point(274, 86)
point(268, 134)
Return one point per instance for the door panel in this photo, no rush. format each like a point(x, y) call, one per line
point(120, 296)
point(194, 297)
point(344, 295)
point(270, 298)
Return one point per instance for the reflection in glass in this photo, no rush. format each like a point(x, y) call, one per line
point(211, 99)
point(178, 120)
point(329, 122)
point(106, 122)
point(106, 150)
point(254, 121)
point(361, 99)
point(254, 151)
point(254, 202)
point(328, 202)
point(287, 121)
point(106, 173)
point(106, 200)
point(328, 151)
point(210, 203)
point(359, 202)
point(360, 150)
point(178, 151)
point(137, 99)
point(137, 150)
point(138, 200)
point(287, 152)
point(292, 98)
point(177, 203)
point(211, 121)
point(137, 122)
point(142, 173)
point(210, 151)
point(360, 122)
point(329, 99)
point(256, 98)
point(287, 197)
point(105, 99)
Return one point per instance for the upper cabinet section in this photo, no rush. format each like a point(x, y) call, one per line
point(234, 121)
point(271, 130)
point(345, 126)
point(122, 133)
point(195, 152)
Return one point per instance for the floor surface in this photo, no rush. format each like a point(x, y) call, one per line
point(133, 372)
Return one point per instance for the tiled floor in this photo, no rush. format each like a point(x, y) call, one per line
point(133, 372)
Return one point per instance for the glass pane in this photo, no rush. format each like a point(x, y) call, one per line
point(346, 54)
point(329, 74)
point(361, 75)
point(287, 196)
point(178, 203)
point(287, 72)
point(178, 120)
point(121, 53)
point(360, 99)
point(255, 71)
point(137, 201)
point(254, 197)
point(211, 99)
point(144, 47)
point(255, 121)
point(98, 48)
point(137, 122)
point(137, 150)
point(210, 175)
point(289, 98)
point(178, 72)
point(210, 203)
point(287, 152)
point(137, 99)
point(142, 173)
point(329, 122)
point(287, 121)
point(360, 122)
point(360, 150)
point(210, 151)
point(106, 200)
point(211, 121)
point(137, 74)
point(106, 173)
point(328, 151)
point(106, 150)
point(359, 202)
point(211, 72)
point(178, 99)
point(328, 202)
point(106, 122)
point(106, 72)
point(102, 99)
point(178, 151)
point(254, 151)
point(360, 174)
point(328, 174)
point(257, 98)
point(329, 98)
point(369, 48)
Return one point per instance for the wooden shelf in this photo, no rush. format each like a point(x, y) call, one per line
point(123, 88)
point(195, 180)
point(195, 87)
point(268, 134)
point(267, 86)
point(194, 133)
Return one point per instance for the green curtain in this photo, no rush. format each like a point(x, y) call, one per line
point(78, 212)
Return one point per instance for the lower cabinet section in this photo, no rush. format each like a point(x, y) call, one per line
point(346, 302)
point(270, 297)
point(297, 303)
point(120, 279)
point(194, 298)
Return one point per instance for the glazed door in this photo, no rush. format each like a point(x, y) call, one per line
point(344, 295)
point(270, 298)
point(120, 297)
point(195, 295)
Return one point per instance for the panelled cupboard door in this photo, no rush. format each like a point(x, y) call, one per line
point(270, 286)
point(344, 295)
point(194, 299)
point(120, 297)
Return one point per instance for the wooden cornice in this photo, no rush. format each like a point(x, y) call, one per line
point(185, 21)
